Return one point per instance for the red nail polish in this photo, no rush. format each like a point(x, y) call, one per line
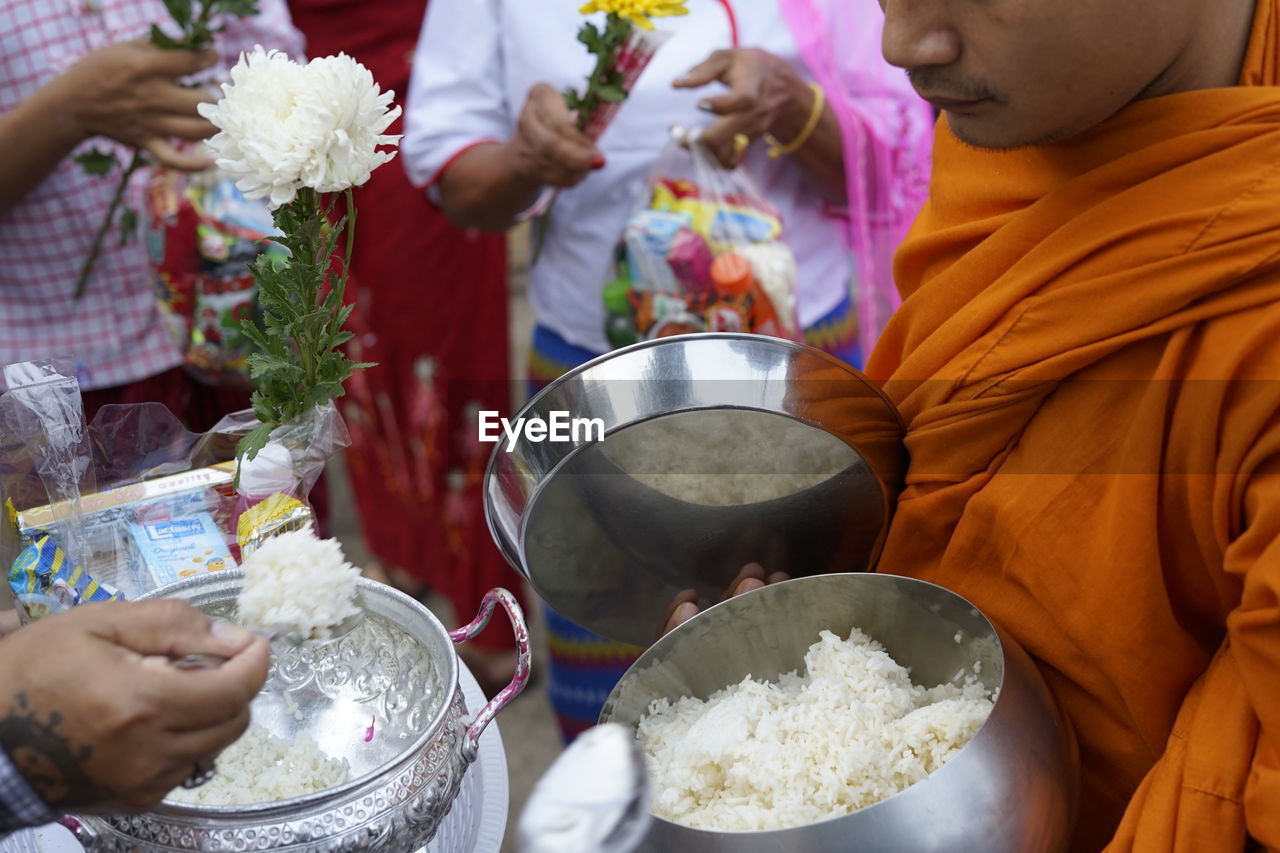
point(597, 163)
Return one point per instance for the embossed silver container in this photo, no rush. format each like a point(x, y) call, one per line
point(385, 697)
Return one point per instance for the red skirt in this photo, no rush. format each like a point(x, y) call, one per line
point(431, 310)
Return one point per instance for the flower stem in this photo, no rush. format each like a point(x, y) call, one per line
point(540, 227)
point(101, 236)
point(311, 220)
point(350, 241)
point(605, 49)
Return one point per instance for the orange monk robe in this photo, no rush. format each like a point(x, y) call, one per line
point(1088, 363)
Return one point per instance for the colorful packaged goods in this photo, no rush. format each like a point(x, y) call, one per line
point(181, 547)
point(620, 327)
point(734, 288)
point(202, 235)
point(702, 255)
point(132, 500)
point(43, 579)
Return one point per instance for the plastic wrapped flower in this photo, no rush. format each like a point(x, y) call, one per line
point(297, 135)
point(284, 126)
point(622, 53)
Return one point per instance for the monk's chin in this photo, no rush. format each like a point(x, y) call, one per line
point(990, 134)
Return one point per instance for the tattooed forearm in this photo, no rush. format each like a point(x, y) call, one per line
point(45, 756)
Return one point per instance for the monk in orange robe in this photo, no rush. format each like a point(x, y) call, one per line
point(1087, 360)
point(1088, 363)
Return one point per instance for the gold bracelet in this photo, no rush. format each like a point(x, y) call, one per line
point(778, 149)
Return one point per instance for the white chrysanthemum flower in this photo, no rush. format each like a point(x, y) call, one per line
point(284, 126)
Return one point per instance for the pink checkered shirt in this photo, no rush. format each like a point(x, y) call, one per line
point(115, 332)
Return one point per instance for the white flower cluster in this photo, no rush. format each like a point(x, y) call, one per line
point(284, 126)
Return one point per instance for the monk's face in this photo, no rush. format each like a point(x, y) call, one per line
point(1010, 73)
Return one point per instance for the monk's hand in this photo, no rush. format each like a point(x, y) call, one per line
point(685, 605)
point(681, 609)
point(762, 91)
point(94, 715)
point(548, 148)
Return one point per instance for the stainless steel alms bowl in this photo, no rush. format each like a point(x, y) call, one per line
point(385, 697)
point(585, 523)
point(1011, 789)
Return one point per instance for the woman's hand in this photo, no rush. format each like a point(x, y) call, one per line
point(490, 185)
point(548, 148)
point(685, 605)
point(765, 94)
point(130, 92)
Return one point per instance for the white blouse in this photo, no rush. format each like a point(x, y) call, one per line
point(475, 63)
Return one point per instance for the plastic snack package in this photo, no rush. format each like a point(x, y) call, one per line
point(44, 579)
point(115, 508)
point(181, 548)
point(45, 452)
point(704, 251)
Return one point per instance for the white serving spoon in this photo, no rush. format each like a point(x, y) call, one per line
point(594, 799)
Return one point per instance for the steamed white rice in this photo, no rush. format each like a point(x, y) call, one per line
point(850, 732)
point(727, 458)
point(263, 768)
point(298, 582)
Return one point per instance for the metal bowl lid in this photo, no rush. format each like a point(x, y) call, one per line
point(671, 464)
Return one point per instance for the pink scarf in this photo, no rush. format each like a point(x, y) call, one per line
point(888, 136)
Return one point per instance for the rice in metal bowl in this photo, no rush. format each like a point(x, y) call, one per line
point(263, 768)
point(850, 732)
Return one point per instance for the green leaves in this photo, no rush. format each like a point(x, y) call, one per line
point(604, 86)
point(255, 440)
point(612, 93)
point(96, 162)
point(128, 225)
point(592, 38)
point(159, 39)
point(179, 10)
point(240, 8)
point(195, 21)
point(299, 364)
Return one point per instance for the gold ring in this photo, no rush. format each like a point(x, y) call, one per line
point(740, 143)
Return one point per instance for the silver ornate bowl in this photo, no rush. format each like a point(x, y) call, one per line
point(385, 697)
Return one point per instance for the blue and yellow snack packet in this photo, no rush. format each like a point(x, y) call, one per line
point(43, 573)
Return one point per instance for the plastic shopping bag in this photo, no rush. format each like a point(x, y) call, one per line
point(703, 251)
point(202, 235)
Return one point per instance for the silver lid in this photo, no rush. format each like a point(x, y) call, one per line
point(718, 450)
